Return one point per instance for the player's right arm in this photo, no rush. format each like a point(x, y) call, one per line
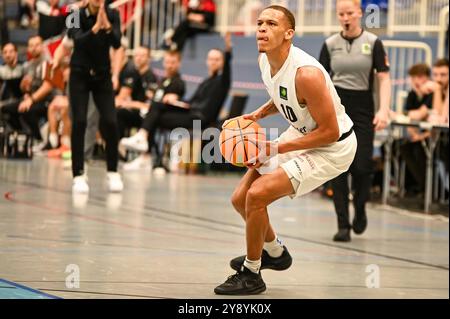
point(265, 110)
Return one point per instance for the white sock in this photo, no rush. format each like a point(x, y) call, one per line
point(252, 265)
point(53, 139)
point(274, 248)
point(65, 140)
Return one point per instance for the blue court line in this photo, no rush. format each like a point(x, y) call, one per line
point(17, 291)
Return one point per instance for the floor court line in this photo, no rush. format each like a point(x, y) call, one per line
point(241, 227)
point(23, 292)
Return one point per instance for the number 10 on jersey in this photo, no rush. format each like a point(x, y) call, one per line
point(289, 113)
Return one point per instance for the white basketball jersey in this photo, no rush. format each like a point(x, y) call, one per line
point(281, 88)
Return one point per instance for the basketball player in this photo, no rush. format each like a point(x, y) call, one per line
point(318, 146)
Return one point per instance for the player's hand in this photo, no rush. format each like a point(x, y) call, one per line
point(267, 150)
point(252, 117)
point(25, 105)
point(381, 120)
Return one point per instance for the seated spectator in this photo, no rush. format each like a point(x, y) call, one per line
point(138, 85)
point(439, 87)
point(11, 74)
point(52, 21)
point(204, 105)
point(27, 12)
point(418, 105)
point(200, 18)
point(26, 114)
point(441, 104)
point(171, 88)
point(58, 110)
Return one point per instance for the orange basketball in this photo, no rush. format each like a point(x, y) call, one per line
point(234, 146)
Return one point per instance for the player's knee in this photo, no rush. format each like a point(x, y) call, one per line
point(256, 198)
point(238, 200)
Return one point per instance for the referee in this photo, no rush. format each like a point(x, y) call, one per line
point(90, 64)
point(351, 57)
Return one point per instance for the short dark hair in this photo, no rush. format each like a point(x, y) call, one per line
point(174, 53)
point(288, 14)
point(10, 43)
point(441, 62)
point(419, 69)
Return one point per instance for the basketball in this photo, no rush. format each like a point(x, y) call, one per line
point(239, 140)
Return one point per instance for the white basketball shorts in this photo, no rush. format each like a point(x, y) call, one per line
point(308, 169)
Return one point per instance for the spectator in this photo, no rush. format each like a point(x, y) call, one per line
point(26, 12)
point(439, 88)
point(204, 105)
point(59, 109)
point(36, 90)
point(417, 107)
point(11, 73)
point(171, 88)
point(200, 18)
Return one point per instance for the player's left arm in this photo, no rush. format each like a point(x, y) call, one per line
point(312, 90)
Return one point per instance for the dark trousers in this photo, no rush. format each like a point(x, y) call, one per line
point(127, 119)
point(81, 83)
point(415, 159)
point(186, 30)
point(169, 117)
point(360, 108)
point(26, 121)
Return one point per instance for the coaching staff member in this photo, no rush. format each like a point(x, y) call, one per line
point(99, 30)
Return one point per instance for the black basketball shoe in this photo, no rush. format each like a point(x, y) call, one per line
point(243, 282)
point(267, 262)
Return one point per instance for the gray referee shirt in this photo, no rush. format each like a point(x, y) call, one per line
point(351, 62)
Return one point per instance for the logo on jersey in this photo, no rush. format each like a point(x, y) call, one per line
point(283, 93)
point(366, 48)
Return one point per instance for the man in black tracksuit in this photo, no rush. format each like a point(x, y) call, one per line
point(91, 72)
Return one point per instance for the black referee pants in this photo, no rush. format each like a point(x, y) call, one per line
point(81, 83)
point(359, 106)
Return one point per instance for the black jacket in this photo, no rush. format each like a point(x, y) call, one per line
point(91, 51)
point(212, 92)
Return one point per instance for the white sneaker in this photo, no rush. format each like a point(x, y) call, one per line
point(80, 185)
point(159, 171)
point(38, 147)
point(139, 163)
point(115, 183)
point(25, 22)
point(136, 142)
